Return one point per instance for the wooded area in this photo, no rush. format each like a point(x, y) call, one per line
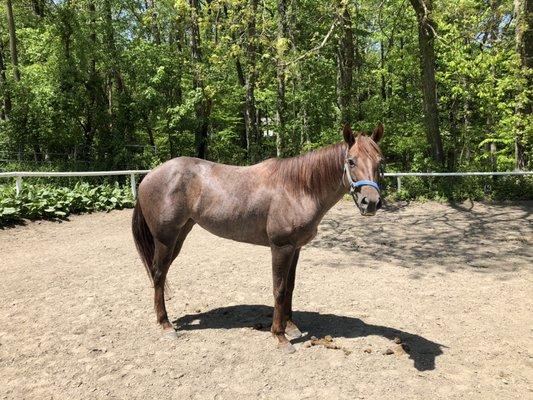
point(109, 84)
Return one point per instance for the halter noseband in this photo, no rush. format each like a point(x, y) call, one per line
point(354, 185)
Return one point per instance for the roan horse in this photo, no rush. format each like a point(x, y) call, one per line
point(277, 203)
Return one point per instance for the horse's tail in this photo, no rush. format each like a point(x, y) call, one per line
point(144, 241)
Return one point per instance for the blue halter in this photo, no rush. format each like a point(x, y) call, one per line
point(356, 185)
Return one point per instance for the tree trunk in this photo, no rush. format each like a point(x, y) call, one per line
point(153, 22)
point(66, 31)
point(524, 46)
point(175, 92)
point(150, 132)
point(176, 39)
point(426, 38)
point(455, 137)
point(304, 132)
point(465, 151)
point(114, 77)
point(202, 108)
point(92, 12)
point(345, 65)
point(243, 134)
point(92, 86)
point(5, 110)
point(252, 131)
point(281, 104)
point(38, 7)
point(12, 40)
point(382, 73)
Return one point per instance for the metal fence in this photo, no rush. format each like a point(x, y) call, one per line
point(133, 173)
point(399, 175)
point(19, 175)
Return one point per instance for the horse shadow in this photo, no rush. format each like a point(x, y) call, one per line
point(422, 351)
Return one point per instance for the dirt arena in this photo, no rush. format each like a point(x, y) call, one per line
point(452, 283)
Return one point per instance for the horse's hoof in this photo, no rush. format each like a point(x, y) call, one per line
point(170, 334)
point(293, 332)
point(287, 348)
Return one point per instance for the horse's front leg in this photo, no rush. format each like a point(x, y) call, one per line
point(281, 264)
point(291, 330)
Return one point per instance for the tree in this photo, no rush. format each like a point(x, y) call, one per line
point(523, 10)
point(12, 40)
point(128, 84)
point(426, 38)
point(5, 110)
point(203, 104)
point(345, 65)
point(252, 130)
point(281, 47)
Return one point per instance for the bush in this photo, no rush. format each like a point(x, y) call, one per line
point(462, 188)
point(45, 201)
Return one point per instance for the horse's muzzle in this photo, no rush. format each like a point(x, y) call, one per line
point(368, 207)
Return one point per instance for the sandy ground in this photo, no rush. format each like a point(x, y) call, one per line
point(453, 283)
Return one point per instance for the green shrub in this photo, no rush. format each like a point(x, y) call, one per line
point(45, 201)
point(462, 188)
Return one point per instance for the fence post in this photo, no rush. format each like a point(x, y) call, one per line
point(133, 186)
point(18, 185)
point(399, 183)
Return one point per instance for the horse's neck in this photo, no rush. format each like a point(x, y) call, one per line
point(338, 188)
point(327, 201)
point(318, 175)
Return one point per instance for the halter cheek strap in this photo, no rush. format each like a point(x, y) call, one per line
point(355, 185)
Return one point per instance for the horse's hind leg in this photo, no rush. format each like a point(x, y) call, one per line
point(184, 231)
point(163, 257)
point(161, 264)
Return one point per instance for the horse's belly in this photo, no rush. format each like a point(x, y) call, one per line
point(233, 212)
point(241, 231)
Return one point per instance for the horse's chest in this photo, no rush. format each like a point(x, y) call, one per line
point(302, 236)
point(296, 230)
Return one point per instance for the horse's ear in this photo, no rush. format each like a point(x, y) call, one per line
point(378, 133)
point(348, 135)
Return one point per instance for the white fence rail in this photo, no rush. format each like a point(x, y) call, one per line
point(399, 175)
point(133, 173)
point(19, 175)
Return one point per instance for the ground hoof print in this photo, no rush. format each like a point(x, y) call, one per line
point(287, 348)
point(170, 334)
point(293, 332)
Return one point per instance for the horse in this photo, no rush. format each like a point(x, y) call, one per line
point(276, 203)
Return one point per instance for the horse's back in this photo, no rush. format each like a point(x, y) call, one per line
point(224, 199)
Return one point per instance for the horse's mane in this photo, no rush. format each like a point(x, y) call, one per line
point(313, 173)
point(319, 171)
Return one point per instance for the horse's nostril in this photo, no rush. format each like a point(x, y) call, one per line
point(378, 206)
point(364, 201)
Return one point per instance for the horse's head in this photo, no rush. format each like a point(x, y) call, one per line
point(362, 168)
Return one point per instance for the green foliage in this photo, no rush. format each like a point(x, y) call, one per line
point(47, 201)
point(502, 188)
point(117, 87)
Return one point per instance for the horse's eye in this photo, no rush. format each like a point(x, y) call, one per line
point(351, 162)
